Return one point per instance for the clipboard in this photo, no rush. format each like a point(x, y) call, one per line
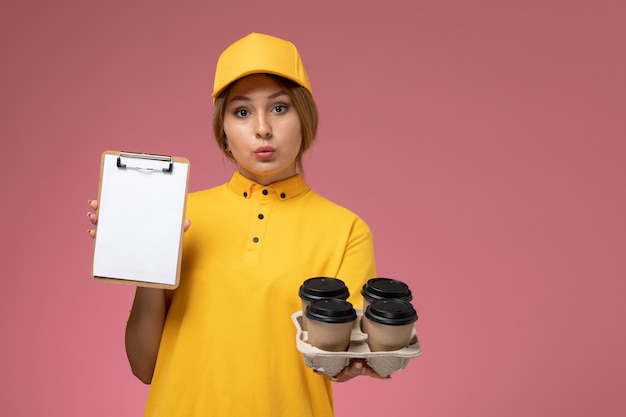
point(141, 209)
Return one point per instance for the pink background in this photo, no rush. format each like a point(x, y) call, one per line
point(483, 141)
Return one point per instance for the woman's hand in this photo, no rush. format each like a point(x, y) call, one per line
point(93, 218)
point(356, 367)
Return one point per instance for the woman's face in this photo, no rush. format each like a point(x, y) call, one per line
point(262, 128)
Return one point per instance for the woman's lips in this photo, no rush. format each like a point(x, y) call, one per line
point(264, 152)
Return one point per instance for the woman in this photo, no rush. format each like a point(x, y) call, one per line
point(222, 343)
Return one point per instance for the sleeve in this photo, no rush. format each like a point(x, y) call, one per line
point(358, 263)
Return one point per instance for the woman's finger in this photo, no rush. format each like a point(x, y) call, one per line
point(93, 217)
point(357, 368)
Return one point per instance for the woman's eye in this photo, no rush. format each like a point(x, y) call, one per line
point(280, 108)
point(241, 112)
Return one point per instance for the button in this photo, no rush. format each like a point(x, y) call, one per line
point(265, 192)
point(245, 194)
point(255, 239)
point(261, 216)
point(282, 195)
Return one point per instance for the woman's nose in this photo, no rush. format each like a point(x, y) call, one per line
point(263, 127)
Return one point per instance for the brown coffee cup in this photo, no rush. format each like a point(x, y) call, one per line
point(330, 323)
point(389, 324)
point(382, 289)
point(319, 288)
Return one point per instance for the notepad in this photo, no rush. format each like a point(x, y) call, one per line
point(141, 211)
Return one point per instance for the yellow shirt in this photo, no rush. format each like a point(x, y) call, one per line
point(228, 348)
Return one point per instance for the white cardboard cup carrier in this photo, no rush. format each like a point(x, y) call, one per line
point(331, 363)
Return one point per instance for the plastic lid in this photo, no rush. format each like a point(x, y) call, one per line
point(392, 312)
point(331, 310)
point(319, 288)
point(383, 288)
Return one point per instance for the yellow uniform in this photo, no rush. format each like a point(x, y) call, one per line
point(228, 348)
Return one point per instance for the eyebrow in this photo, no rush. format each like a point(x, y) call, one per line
point(246, 98)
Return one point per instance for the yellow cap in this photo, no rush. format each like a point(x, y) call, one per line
point(259, 53)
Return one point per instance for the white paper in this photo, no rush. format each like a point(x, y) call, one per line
point(140, 220)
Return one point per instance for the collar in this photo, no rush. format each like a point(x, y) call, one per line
point(284, 190)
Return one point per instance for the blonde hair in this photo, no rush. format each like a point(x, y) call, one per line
point(302, 101)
